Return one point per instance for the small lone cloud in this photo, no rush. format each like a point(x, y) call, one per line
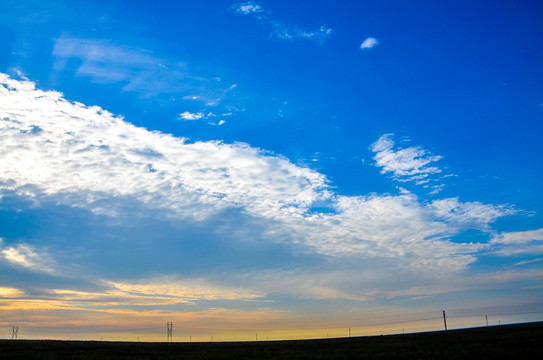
point(191, 116)
point(221, 122)
point(247, 8)
point(369, 43)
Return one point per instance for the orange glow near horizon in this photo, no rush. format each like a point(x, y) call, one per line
point(63, 320)
point(129, 312)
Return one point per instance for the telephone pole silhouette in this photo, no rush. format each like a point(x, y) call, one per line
point(169, 330)
point(14, 332)
point(444, 320)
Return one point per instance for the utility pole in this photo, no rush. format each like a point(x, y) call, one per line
point(14, 332)
point(169, 330)
point(486, 318)
point(445, 320)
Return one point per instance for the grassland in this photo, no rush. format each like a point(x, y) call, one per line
point(520, 341)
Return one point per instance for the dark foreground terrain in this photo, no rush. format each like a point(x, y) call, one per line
point(521, 341)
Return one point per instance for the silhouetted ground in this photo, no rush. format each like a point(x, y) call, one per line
point(521, 341)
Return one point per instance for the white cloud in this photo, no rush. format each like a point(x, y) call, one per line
point(518, 237)
point(191, 116)
point(288, 32)
point(528, 261)
point(26, 256)
point(405, 164)
point(281, 30)
point(247, 8)
point(395, 227)
point(474, 215)
point(102, 154)
point(85, 157)
point(369, 43)
point(221, 122)
point(153, 291)
point(518, 243)
point(201, 116)
point(184, 290)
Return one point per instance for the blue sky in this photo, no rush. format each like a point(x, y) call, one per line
point(270, 165)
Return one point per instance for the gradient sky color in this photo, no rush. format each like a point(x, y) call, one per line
point(292, 168)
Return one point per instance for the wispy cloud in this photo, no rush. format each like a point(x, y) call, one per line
point(280, 30)
point(518, 237)
point(136, 70)
point(247, 8)
point(369, 43)
point(177, 289)
point(528, 261)
point(151, 291)
point(212, 119)
point(405, 164)
point(519, 243)
point(26, 256)
point(289, 32)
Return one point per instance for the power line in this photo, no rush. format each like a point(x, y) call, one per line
point(503, 314)
point(169, 326)
point(312, 328)
point(92, 331)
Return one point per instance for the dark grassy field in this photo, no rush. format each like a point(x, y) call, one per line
point(521, 341)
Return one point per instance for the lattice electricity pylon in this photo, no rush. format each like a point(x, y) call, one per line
point(169, 327)
point(14, 332)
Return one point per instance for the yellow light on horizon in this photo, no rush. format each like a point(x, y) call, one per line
point(10, 292)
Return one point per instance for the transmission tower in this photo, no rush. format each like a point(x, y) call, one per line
point(14, 332)
point(169, 329)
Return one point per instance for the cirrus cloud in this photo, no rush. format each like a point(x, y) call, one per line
point(247, 8)
point(280, 30)
point(405, 164)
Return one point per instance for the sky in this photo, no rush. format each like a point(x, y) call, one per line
point(282, 169)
